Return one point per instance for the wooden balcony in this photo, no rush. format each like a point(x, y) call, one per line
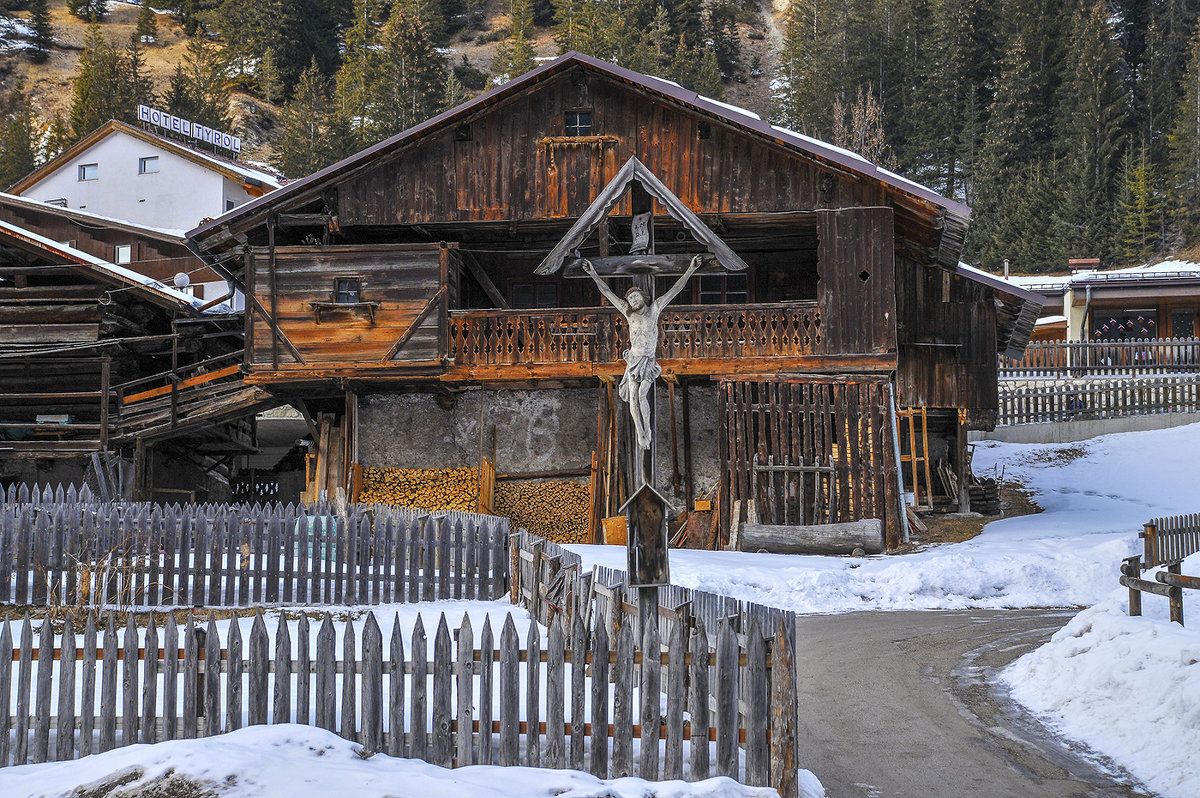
point(590, 341)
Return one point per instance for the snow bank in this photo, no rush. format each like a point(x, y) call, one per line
point(289, 761)
point(1129, 688)
point(1096, 495)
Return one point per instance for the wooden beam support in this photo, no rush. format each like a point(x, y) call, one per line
point(433, 302)
point(481, 277)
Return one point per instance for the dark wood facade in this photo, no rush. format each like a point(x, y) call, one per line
point(852, 272)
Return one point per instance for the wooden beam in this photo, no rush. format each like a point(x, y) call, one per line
point(620, 265)
point(412, 328)
point(485, 282)
point(188, 383)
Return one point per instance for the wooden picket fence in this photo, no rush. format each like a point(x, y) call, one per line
point(85, 554)
point(550, 582)
point(1037, 402)
point(1083, 358)
point(462, 705)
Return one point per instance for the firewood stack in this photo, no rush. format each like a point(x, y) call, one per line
point(556, 510)
point(431, 488)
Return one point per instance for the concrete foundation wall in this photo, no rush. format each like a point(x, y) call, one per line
point(1069, 431)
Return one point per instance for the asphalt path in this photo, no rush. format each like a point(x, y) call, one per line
point(904, 704)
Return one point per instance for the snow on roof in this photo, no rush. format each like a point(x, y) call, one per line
point(236, 166)
point(39, 204)
point(124, 274)
point(787, 131)
point(1163, 270)
point(1051, 320)
point(664, 80)
point(735, 109)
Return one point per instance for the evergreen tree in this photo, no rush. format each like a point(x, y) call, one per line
point(1184, 144)
point(18, 151)
point(308, 30)
point(722, 33)
point(455, 94)
point(180, 99)
point(147, 24)
point(248, 30)
point(43, 30)
point(411, 86)
point(514, 56)
point(207, 77)
point(359, 72)
point(101, 91)
point(429, 13)
point(90, 10)
point(268, 76)
point(304, 144)
point(58, 138)
point(137, 83)
point(1140, 209)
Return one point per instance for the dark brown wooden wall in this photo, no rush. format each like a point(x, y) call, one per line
point(856, 288)
point(947, 338)
point(518, 166)
point(402, 279)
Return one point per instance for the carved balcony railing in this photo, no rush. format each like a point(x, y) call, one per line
point(600, 335)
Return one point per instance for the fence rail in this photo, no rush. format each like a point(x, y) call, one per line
point(143, 555)
point(1083, 358)
point(1038, 401)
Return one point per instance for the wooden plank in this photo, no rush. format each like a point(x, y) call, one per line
point(649, 694)
point(108, 689)
point(64, 744)
point(190, 382)
point(783, 716)
point(727, 701)
point(212, 678)
point(510, 712)
point(579, 641)
point(150, 713)
point(442, 742)
point(756, 683)
point(349, 714)
point(555, 698)
point(465, 692)
point(234, 699)
point(533, 749)
point(698, 703)
point(396, 683)
point(622, 747)
point(676, 694)
point(303, 672)
point(599, 758)
point(372, 687)
point(418, 720)
point(6, 693)
point(41, 708)
point(192, 699)
point(260, 655)
point(326, 698)
point(486, 679)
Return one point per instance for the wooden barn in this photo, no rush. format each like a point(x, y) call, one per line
point(110, 376)
point(831, 339)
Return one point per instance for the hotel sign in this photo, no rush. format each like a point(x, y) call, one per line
point(190, 129)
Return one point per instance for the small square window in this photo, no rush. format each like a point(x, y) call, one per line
point(346, 291)
point(462, 133)
point(230, 205)
point(579, 123)
point(89, 171)
point(123, 253)
point(703, 130)
point(148, 166)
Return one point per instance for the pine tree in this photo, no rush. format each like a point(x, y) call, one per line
point(58, 138)
point(1184, 144)
point(43, 30)
point(722, 33)
point(410, 89)
point(304, 145)
point(697, 71)
point(179, 99)
point(429, 13)
point(454, 94)
point(268, 76)
point(18, 152)
point(101, 90)
point(514, 56)
point(90, 10)
point(147, 24)
point(207, 76)
point(1140, 209)
point(359, 72)
point(137, 83)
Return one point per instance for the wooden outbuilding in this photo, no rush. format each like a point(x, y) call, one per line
point(400, 289)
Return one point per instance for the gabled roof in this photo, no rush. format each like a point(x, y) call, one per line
point(635, 170)
point(86, 217)
point(1017, 313)
point(955, 213)
point(105, 271)
point(255, 181)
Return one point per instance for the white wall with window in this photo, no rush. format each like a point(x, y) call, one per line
point(125, 177)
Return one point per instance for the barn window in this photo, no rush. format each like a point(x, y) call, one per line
point(534, 295)
point(579, 123)
point(346, 291)
point(723, 289)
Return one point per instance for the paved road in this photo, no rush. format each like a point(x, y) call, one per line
point(899, 704)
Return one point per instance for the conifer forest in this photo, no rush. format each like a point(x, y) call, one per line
point(1071, 126)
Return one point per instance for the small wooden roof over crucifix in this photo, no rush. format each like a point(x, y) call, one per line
point(634, 175)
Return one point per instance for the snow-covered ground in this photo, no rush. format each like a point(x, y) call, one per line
point(1096, 495)
point(1129, 688)
point(289, 761)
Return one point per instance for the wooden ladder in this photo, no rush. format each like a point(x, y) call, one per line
point(919, 462)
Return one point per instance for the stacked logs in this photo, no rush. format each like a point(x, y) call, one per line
point(555, 510)
point(430, 488)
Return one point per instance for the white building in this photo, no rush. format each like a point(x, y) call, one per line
point(125, 172)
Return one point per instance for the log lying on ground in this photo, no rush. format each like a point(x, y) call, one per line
point(841, 538)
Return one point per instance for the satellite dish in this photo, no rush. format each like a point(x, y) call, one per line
point(182, 280)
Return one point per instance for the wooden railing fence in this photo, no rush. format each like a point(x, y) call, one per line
point(142, 555)
point(586, 335)
point(1035, 402)
point(1084, 358)
point(1166, 542)
point(550, 582)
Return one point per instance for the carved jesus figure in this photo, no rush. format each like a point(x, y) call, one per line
point(641, 365)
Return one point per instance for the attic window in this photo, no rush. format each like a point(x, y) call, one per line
point(89, 171)
point(703, 130)
point(578, 123)
point(346, 291)
point(462, 133)
point(148, 165)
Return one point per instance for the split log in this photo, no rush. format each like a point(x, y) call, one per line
point(842, 538)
